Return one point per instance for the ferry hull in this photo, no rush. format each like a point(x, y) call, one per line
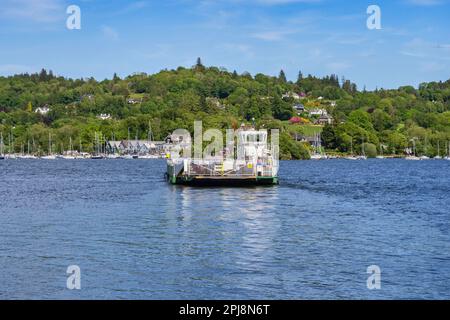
point(206, 181)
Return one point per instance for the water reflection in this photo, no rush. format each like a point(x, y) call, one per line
point(241, 224)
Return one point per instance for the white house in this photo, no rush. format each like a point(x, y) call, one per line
point(299, 108)
point(324, 119)
point(42, 110)
point(318, 112)
point(104, 116)
point(293, 95)
point(134, 101)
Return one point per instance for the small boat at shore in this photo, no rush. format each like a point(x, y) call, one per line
point(149, 156)
point(412, 158)
point(127, 156)
point(318, 157)
point(27, 156)
point(49, 157)
point(351, 156)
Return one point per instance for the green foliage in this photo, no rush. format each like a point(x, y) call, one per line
point(370, 150)
point(292, 150)
point(173, 99)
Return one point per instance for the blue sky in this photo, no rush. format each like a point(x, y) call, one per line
point(316, 36)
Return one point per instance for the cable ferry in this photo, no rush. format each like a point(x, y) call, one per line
point(252, 162)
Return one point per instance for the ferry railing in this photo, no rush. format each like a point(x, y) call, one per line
point(216, 168)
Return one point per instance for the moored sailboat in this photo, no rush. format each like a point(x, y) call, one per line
point(448, 151)
point(351, 156)
point(413, 157)
point(2, 155)
point(438, 156)
point(50, 155)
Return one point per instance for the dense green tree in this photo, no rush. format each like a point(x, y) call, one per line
point(282, 77)
point(172, 99)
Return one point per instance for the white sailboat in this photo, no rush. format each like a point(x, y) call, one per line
point(351, 157)
point(318, 154)
point(425, 157)
point(363, 156)
point(98, 155)
point(2, 155)
point(50, 155)
point(413, 157)
point(381, 156)
point(28, 155)
point(11, 154)
point(438, 156)
point(69, 154)
point(448, 151)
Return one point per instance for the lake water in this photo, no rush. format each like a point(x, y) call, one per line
point(313, 236)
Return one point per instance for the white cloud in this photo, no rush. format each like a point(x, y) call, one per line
point(425, 2)
point(412, 54)
point(110, 33)
point(278, 2)
point(430, 66)
point(262, 2)
point(272, 35)
point(33, 10)
point(237, 48)
point(337, 66)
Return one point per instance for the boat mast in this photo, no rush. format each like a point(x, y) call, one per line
point(351, 146)
point(1, 143)
point(12, 142)
point(49, 143)
point(9, 143)
point(128, 141)
point(363, 151)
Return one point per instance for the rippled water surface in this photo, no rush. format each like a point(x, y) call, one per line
point(311, 237)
